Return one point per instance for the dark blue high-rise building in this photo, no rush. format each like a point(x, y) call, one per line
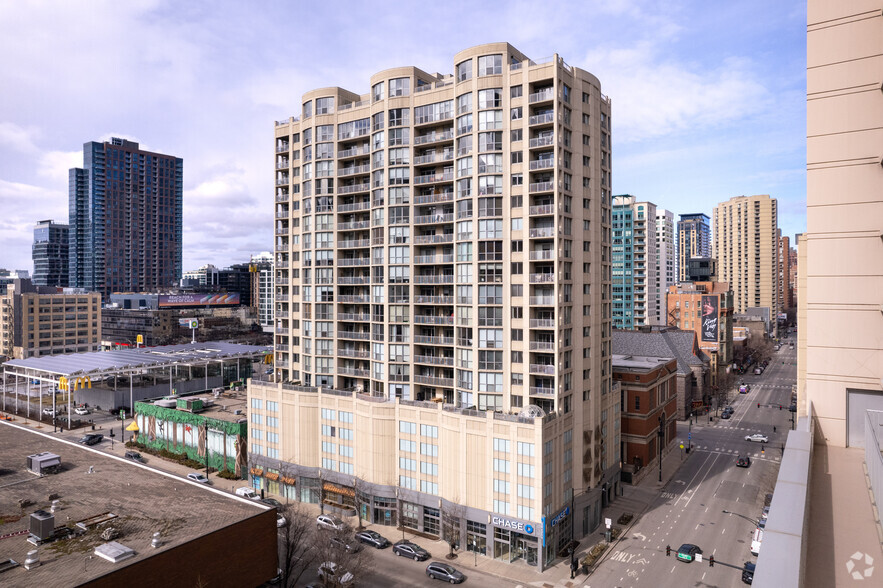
point(50, 254)
point(125, 218)
point(694, 240)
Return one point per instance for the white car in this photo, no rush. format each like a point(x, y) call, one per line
point(331, 574)
point(330, 522)
point(196, 477)
point(757, 437)
point(247, 492)
point(81, 410)
point(48, 412)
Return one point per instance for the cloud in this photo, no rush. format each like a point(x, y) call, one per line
point(17, 138)
point(55, 165)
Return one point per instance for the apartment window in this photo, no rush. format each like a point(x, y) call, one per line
point(324, 105)
point(464, 70)
point(490, 120)
point(492, 141)
point(490, 98)
point(308, 111)
point(516, 135)
point(377, 92)
point(464, 103)
point(399, 87)
point(517, 157)
point(515, 91)
point(464, 124)
point(637, 402)
point(399, 117)
point(517, 356)
point(516, 113)
point(490, 65)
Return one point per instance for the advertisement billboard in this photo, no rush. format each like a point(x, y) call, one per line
point(710, 318)
point(173, 300)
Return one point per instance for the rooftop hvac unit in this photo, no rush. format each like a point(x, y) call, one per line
point(42, 463)
point(42, 524)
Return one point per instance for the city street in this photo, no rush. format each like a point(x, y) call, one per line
point(689, 507)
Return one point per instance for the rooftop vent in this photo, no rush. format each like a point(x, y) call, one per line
point(114, 552)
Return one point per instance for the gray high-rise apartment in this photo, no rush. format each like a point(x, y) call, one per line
point(635, 301)
point(694, 240)
point(443, 326)
point(666, 263)
point(126, 212)
point(50, 254)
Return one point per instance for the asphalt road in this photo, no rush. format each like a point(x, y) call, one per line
point(689, 507)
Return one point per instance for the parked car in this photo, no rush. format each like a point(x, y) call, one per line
point(91, 439)
point(405, 548)
point(134, 456)
point(247, 492)
point(688, 552)
point(197, 477)
point(280, 521)
point(81, 410)
point(346, 544)
point(758, 370)
point(332, 575)
point(271, 502)
point(743, 462)
point(48, 412)
point(765, 513)
point(330, 522)
point(442, 571)
point(373, 538)
point(756, 541)
point(757, 438)
point(748, 573)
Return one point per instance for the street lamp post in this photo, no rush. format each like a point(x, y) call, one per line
point(661, 440)
point(749, 519)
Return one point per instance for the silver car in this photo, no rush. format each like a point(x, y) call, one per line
point(757, 438)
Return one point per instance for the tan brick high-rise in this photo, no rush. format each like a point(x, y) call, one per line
point(745, 243)
point(442, 302)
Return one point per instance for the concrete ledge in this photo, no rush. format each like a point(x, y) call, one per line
point(780, 563)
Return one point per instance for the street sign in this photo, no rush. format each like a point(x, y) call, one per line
point(698, 558)
point(689, 436)
point(608, 522)
point(682, 445)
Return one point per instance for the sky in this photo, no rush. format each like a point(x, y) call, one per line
point(708, 97)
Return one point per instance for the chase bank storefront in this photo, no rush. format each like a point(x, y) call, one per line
point(515, 540)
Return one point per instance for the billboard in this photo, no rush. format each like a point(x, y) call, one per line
point(173, 300)
point(710, 318)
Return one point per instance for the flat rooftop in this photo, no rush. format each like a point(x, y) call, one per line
point(144, 501)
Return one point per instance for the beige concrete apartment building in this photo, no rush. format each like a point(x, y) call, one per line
point(666, 263)
point(41, 320)
point(745, 243)
point(840, 349)
point(785, 285)
point(443, 303)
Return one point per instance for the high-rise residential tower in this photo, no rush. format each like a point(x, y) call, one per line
point(784, 271)
point(634, 263)
point(694, 240)
point(746, 247)
point(125, 218)
point(442, 293)
point(50, 254)
point(666, 263)
point(840, 350)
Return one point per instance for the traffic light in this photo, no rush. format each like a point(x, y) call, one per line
point(758, 405)
point(711, 561)
point(780, 407)
point(668, 551)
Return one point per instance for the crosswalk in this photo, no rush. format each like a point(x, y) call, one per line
point(768, 454)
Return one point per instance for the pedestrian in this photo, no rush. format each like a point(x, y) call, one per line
point(774, 428)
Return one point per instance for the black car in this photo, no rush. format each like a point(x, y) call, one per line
point(688, 552)
point(442, 571)
point(373, 538)
point(134, 456)
point(271, 502)
point(405, 548)
point(92, 439)
point(748, 572)
point(725, 415)
point(743, 462)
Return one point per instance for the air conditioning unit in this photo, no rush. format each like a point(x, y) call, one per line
point(42, 524)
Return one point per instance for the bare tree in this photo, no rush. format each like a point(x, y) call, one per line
point(400, 514)
point(297, 547)
point(451, 515)
point(342, 549)
point(358, 496)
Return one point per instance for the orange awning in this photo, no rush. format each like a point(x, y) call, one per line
point(334, 488)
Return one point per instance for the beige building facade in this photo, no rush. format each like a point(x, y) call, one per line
point(745, 244)
point(445, 240)
point(37, 321)
point(840, 353)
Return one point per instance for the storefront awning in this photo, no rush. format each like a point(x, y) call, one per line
point(334, 488)
point(272, 476)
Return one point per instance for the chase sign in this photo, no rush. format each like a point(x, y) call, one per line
point(512, 524)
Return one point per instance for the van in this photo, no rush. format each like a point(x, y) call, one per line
point(756, 540)
point(247, 492)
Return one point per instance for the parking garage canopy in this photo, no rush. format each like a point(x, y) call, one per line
point(126, 361)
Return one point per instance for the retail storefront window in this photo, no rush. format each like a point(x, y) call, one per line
point(410, 515)
point(476, 537)
point(430, 520)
